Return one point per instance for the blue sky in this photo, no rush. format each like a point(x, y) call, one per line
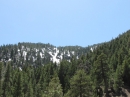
point(63, 22)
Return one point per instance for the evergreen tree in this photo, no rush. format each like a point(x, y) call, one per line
point(29, 90)
point(64, 75)
point(118, 79)
point(79, 85)
point(126, 71)
point(38, 90)
point(54, 89)
point(19, 85)
point(100, 72)
point(7, 84)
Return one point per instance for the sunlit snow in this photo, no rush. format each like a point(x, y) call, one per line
point(54, 59)
point(91, 49)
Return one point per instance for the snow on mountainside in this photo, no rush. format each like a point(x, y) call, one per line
point(54, 56)
point(44, 53)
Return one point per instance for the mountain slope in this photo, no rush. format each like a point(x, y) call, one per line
point(45, 53)
point(105, 67)
point(118, 60)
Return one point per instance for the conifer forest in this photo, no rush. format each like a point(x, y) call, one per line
point(100, 70)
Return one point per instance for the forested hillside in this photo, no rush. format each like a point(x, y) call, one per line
point(101, 70)
point(40, 54)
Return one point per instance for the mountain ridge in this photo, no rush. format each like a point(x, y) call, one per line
point(27, 51)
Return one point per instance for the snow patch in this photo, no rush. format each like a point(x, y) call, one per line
point(24, 54)
point(37, 50)
point(22, 47)
point(54, 56)
point(20, 68)
point(9, 59)
point(18, 50)
point(72, 52)
point(77, 57)
point(41, 55)
point(68, 53)
point(91, 49)
point(28, 49)
point(43, 50)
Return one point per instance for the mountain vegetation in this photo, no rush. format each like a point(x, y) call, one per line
point(43, 70)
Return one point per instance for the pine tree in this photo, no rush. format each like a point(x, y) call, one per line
point(38, 90)
point(126, 71)
point(118, 79)
point(7, 84)
point(29, 90)
point(54, 89)
point(100, 72)
point(19, 85)
point(64, 75)
point(79, 85)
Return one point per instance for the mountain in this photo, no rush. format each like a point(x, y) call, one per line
point(100, 70)
point(32, 52)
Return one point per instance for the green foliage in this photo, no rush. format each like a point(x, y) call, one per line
point(19, 85)
point(106, 67)
point(1, 78)
point(29, 90)
point(54, 89)
point(7, 84)
point(79, 85)
point(118, 79)
point(63, 75)
point(100, 72)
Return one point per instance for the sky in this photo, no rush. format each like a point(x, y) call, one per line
point(63, 22)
